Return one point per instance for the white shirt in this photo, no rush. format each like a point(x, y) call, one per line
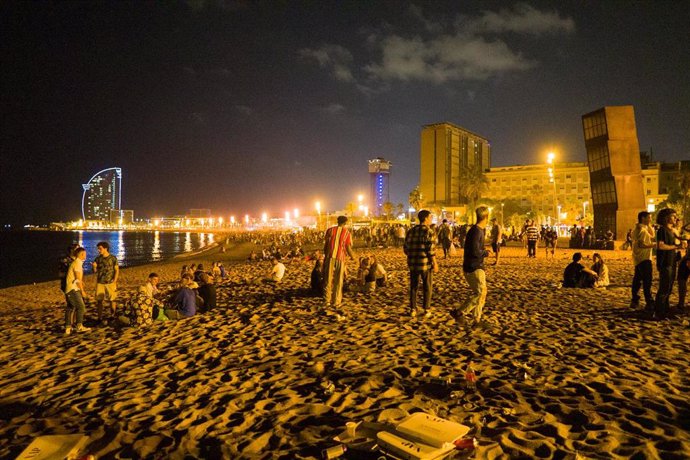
point(278, 272)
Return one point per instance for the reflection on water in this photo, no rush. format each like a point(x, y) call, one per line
point(80, 242)
point(187, 242)
point(121, 246)
point(156, 251)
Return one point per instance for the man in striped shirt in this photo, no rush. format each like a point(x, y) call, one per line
point(532, 233)
point(421, 259)
point(338, 244)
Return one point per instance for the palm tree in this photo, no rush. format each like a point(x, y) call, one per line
point(473, 184)
point(684, 184)
point(416, 199)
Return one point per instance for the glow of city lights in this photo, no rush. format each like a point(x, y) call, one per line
point(186, 222)
point(246, 218)
point(201, 221)
point(232, 220)
point(264, 217)
point(156, 222)
point(366, 211)
point(360, 197)
point(287, 216)
point(220, 221)
point(318, 207)
point(295, 213)
point(550, 157)
point(210, 221)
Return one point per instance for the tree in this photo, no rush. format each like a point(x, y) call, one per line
point(473, 184)
point(399, 209)
point(387, 209)
point(416, 199)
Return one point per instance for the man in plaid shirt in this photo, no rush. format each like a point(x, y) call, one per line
point(419, 248)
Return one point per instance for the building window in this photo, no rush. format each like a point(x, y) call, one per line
point(595, 125)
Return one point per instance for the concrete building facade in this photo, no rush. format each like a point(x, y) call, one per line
point(530, 185)
point(446, 151)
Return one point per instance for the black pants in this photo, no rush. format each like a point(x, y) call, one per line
point(667, 275)
point(643, 276)
point(531, 248)
point(427, 280)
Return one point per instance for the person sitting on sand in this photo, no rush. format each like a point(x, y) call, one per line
point(215, 270)
point(277, 271)
point(317, 274)
point(572, 275)
point(199, 271)
point(207, 291)
point(377, 271)
point(598, 275)
point(184, 304)
point(139, 310)
point(252, 256)
point(364, 282)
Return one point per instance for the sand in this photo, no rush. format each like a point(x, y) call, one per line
point(561, 373)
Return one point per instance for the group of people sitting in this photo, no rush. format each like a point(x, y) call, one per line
point(370, 275)
point(195, 293)
point(577, 275)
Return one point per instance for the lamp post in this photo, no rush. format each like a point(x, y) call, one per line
point(360, 197)
point(552, 178)
point(318, 215)
point(502, 218)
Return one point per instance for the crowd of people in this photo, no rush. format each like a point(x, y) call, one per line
point(195, 291)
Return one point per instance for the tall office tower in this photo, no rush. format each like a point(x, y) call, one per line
point(447, 151)
point(615, 173)
point(379, 179)
point(102, 193)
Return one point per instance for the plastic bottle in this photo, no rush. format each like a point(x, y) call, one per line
point(470, 377)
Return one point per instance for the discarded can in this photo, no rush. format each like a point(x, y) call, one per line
point(334, 452)
point(466, 443)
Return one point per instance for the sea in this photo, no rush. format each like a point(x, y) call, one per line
point(32, 256)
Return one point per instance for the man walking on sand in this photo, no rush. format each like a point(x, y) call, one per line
point(107, 271)
point(420, 250)
point(473, 266)
point(642, 244)
point(338, 244)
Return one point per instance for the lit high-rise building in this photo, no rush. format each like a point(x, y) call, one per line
point(447, 151)
point(102, 193)
point(379, 193)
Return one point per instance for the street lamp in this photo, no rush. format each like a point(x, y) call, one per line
point(552, 178)
point(502, 218)
point(318, 215)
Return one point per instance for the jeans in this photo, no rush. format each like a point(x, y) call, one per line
point(427, 282)
point(643, 276)
point(75, 302)
point(475, 303)
point(531, 248)
point(667, 275)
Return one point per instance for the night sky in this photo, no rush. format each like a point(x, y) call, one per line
point(245, 107)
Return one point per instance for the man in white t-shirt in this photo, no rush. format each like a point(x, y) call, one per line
point(642, 244)
point(277, 272)
point(75, 292)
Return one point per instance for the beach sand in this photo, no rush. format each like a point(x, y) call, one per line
point(561, 373)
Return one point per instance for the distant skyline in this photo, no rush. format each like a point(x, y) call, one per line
point(250, 107)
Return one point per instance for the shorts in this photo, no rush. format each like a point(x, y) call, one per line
point(496, 247)
point(106, 292)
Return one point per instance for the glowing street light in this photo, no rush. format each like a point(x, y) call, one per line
point(246, 218)
point(366, 211)
point(550, 157)
point(287, 216)
point(264, 217)
point(295, 213)
point(232, 220)
point(220, 221)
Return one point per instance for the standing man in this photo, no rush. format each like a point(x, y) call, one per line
point(444, 237)
point(75, 292)
point(420, 250)
point(532, 233)
point(338, 244)
point(666, 248)
point(642, 244)
point(496, 238)
point(473, 266)
point(107, 271)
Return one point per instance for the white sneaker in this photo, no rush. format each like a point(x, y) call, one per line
point(68, 330)
point(82, 328)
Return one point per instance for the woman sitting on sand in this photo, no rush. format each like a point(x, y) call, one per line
point(377, 272)
point(184, 304)
point(598, 275)
point(207, 291)
point(365, 282)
